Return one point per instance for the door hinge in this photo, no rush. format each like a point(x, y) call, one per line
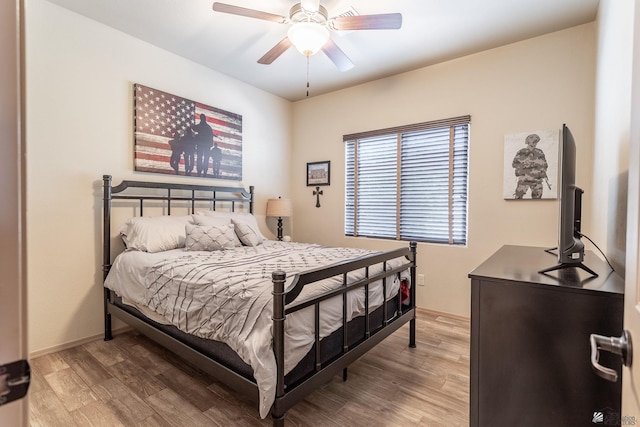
point(14, 381)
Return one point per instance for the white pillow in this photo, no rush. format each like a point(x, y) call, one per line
point(210, 221)
point(238, 217)
point(155, 234)
point(245, 233)
point(210, 237)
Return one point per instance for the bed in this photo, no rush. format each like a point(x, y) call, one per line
point(273, 320)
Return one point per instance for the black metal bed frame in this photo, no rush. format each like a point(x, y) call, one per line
point(286, 397)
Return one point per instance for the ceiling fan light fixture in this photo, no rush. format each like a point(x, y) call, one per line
point(311, 6)
point(308, 37)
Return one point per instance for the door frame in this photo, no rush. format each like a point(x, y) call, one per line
point(13, 313)
point(631, 376)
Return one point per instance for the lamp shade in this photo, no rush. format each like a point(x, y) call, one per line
point(308, 37)
point(279, 207)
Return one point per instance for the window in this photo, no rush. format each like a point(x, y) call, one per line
point(409, 182)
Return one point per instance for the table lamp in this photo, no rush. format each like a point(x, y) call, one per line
point(279, 208)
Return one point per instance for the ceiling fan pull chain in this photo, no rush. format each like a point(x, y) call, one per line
point(307, 76)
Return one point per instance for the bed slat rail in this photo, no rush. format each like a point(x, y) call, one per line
point(385, 312)
point(345, 331)
point(367, 323)
point(177, 186)
point(347, 288)
point(346, 266)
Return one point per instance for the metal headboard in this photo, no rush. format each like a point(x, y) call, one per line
point(166, 193)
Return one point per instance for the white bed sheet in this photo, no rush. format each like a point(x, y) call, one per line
point(227, 296)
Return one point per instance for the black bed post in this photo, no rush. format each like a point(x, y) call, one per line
point(106, 250)
point(278, 278)
point(251, 199)
point(412, 322)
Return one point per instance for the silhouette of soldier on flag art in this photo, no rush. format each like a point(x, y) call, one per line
point(204, 143)
point(182, 146)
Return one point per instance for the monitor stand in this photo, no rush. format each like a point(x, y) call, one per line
point(563, 265)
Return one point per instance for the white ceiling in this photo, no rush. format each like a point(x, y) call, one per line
point(432, 31)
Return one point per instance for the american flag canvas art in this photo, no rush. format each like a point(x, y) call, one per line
point(175, 135)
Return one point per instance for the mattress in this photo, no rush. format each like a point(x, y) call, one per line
point(226, 296)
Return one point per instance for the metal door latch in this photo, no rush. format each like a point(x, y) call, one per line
point(14, 381)
point(620, 346)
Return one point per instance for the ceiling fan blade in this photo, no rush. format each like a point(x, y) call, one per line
point(251, 13)
point(337, 56)
point(275, 51)
point(383, 21)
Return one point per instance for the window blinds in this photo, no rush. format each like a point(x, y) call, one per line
point(409, 182)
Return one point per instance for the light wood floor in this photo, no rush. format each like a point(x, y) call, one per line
point(131, 381)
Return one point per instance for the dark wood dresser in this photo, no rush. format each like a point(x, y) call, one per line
point(530, 351)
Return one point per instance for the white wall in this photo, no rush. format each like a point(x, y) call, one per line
point(617, 148)
point(612, 126)
point(79, 81)
point(536, 84)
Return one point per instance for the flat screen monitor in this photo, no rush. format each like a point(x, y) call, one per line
point(570, 247)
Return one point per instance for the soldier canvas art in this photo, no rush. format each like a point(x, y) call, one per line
point(531, 165)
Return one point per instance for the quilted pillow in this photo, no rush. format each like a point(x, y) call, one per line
point(210, 237)
point(243, 217)
point(155, 234)
point(210, 221)
point(247, 236)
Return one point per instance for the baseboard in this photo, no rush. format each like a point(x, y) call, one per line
point(442, 313)
point(122, 330)
point(71, 344)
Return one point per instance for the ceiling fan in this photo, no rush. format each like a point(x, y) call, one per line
point(309, 29)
